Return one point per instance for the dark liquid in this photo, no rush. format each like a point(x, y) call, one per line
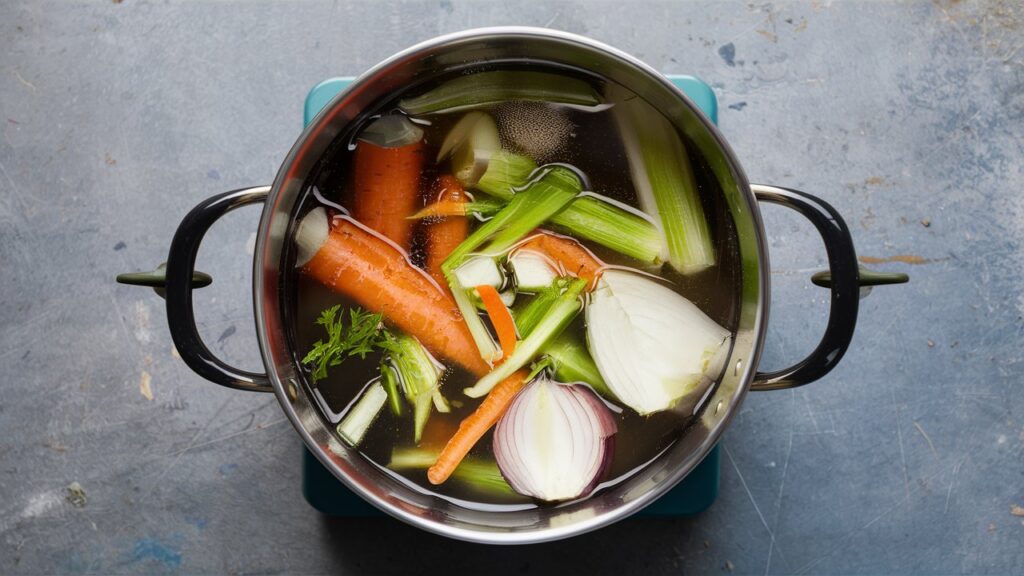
point(594, 149)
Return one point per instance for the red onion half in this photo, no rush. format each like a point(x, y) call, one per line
point(556, 441)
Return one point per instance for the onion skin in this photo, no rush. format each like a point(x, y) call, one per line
point(556, 441)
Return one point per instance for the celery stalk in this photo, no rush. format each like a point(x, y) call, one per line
point(590, 218)
point(665, 184)
point(573, 363)
point(474, 471)
point(358, 419)
point(587, 217)
point(389, 379)
point(481, 337)
point(484, 88)
point(418, 375)
point(505, 172)
point(543, 198)
point(558, 316)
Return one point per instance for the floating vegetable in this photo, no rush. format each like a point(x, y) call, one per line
point(443, 236)
point(386, 171)
point(532, 270)
point(418, 375)
point(564, 307)
point(555, 442)
point(481, 474)
point(665, 184)
point(357, 420)
point(651, 345)
point(355, 262)
point(474, 426)
point(484, 88)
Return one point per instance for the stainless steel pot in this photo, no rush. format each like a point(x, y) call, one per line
point(421, 63)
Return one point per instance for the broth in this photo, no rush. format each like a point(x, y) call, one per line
point(591, 148)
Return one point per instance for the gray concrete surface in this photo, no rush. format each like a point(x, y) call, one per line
point(119, 116)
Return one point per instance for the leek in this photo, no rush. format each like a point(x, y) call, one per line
point(665, 184)
point(358, 419)
point(476, 472)
point(418, 375)
point(485, 88)
point(558, 316)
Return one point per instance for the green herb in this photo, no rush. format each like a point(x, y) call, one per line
point(361, 337)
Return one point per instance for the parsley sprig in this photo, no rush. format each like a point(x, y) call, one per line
point(364, 334)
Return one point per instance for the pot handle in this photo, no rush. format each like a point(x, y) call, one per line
point(844, 278)
point(181, 261)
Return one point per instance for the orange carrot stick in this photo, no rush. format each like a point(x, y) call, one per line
point(444, 236)
point(387, 186)
point(567, 253)
point(475, 426)
point(500, 317)
point(367, 269)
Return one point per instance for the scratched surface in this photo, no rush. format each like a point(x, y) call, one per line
point(119, 116)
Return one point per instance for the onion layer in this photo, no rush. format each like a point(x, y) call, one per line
point(556, 441)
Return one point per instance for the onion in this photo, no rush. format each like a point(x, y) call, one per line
point(556, 441)
point(392, 131)
point(651, 345)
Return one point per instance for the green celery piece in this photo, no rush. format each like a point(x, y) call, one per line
point(558, 316)
point(590, 218)
point(484, 88)
point(390, 381)
point(527, 316)
point(474, 471)
point(573, 363)
point(481, 337)
point(418, 375)
point(665, 184)
point(587, 217)
point(539, 201)
point(505, 172)
point(358, 419)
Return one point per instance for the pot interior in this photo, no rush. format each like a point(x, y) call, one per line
point(310, 167)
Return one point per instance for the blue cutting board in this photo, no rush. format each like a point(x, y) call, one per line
point(694, 494)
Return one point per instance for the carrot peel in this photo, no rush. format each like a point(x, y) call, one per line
point(500, 317)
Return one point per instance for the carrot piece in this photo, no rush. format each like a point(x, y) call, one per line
point(444, 236)
point(441, 209)
point(355, 262)
point(568, 254)
point(500, 317)
point(387, 187)
point(474, 426)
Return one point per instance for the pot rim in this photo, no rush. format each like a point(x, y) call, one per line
point(285, 392)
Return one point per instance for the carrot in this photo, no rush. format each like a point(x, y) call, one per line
point(500, 317)
point(568, 253)
point(474, 426)
point(387, 186)
point(355, 262)
point(444, 236)
point(441, 209)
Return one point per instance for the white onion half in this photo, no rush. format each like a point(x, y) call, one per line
point(556, 441)
point(651, 345)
